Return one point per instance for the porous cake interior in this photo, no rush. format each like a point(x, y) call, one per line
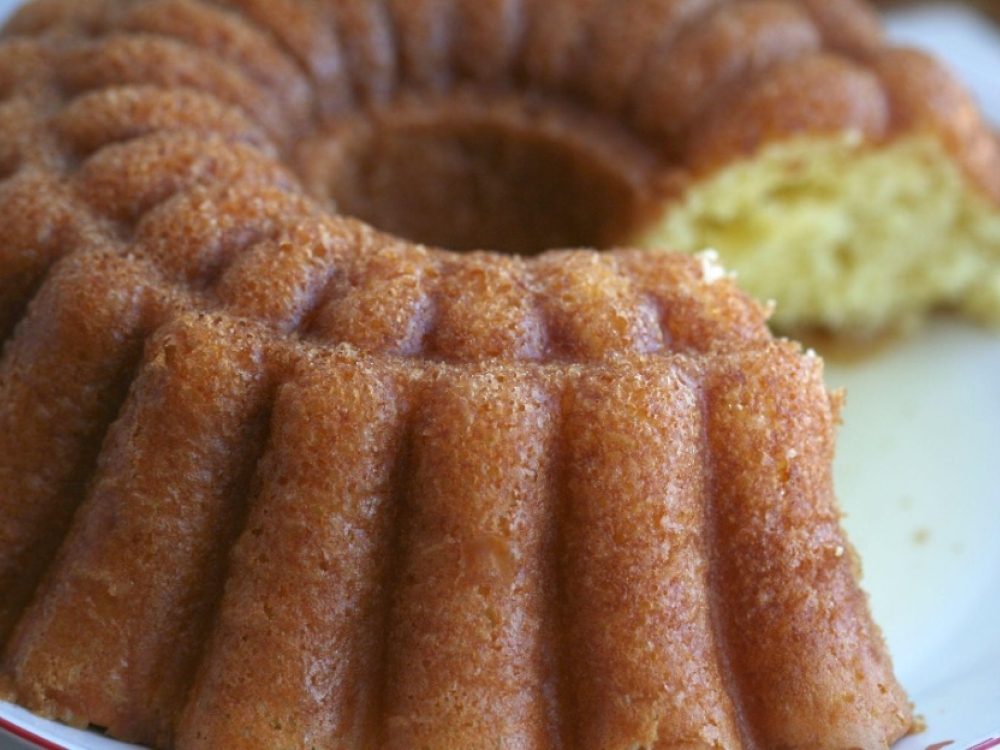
point(847, 235)
point(844, 234)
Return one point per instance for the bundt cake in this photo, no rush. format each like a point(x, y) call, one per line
point(272, 478)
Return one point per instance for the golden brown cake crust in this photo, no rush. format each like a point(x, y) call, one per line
point(318, 484)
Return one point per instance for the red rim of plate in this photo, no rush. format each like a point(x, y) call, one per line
point(28, 736)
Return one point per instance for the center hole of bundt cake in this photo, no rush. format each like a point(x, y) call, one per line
point(493, 178)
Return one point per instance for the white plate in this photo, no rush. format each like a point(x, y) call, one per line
point(917, 477)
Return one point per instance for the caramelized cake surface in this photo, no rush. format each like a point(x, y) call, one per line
point(272, 478)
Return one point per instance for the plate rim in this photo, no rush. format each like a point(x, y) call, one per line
point(23, 733)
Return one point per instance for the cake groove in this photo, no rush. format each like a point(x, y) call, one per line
point(122, 59)
point(183, 448)
point(644, 634)
point(62, 379)
point(759, 544)
point(100, 118)
point(470, 667)
point(329, 521)
point(296, 27)
point(230, 38)
point(35, 236)
point(424, 42)
point(124, 181)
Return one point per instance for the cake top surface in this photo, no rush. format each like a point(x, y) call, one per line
point(157, 137)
